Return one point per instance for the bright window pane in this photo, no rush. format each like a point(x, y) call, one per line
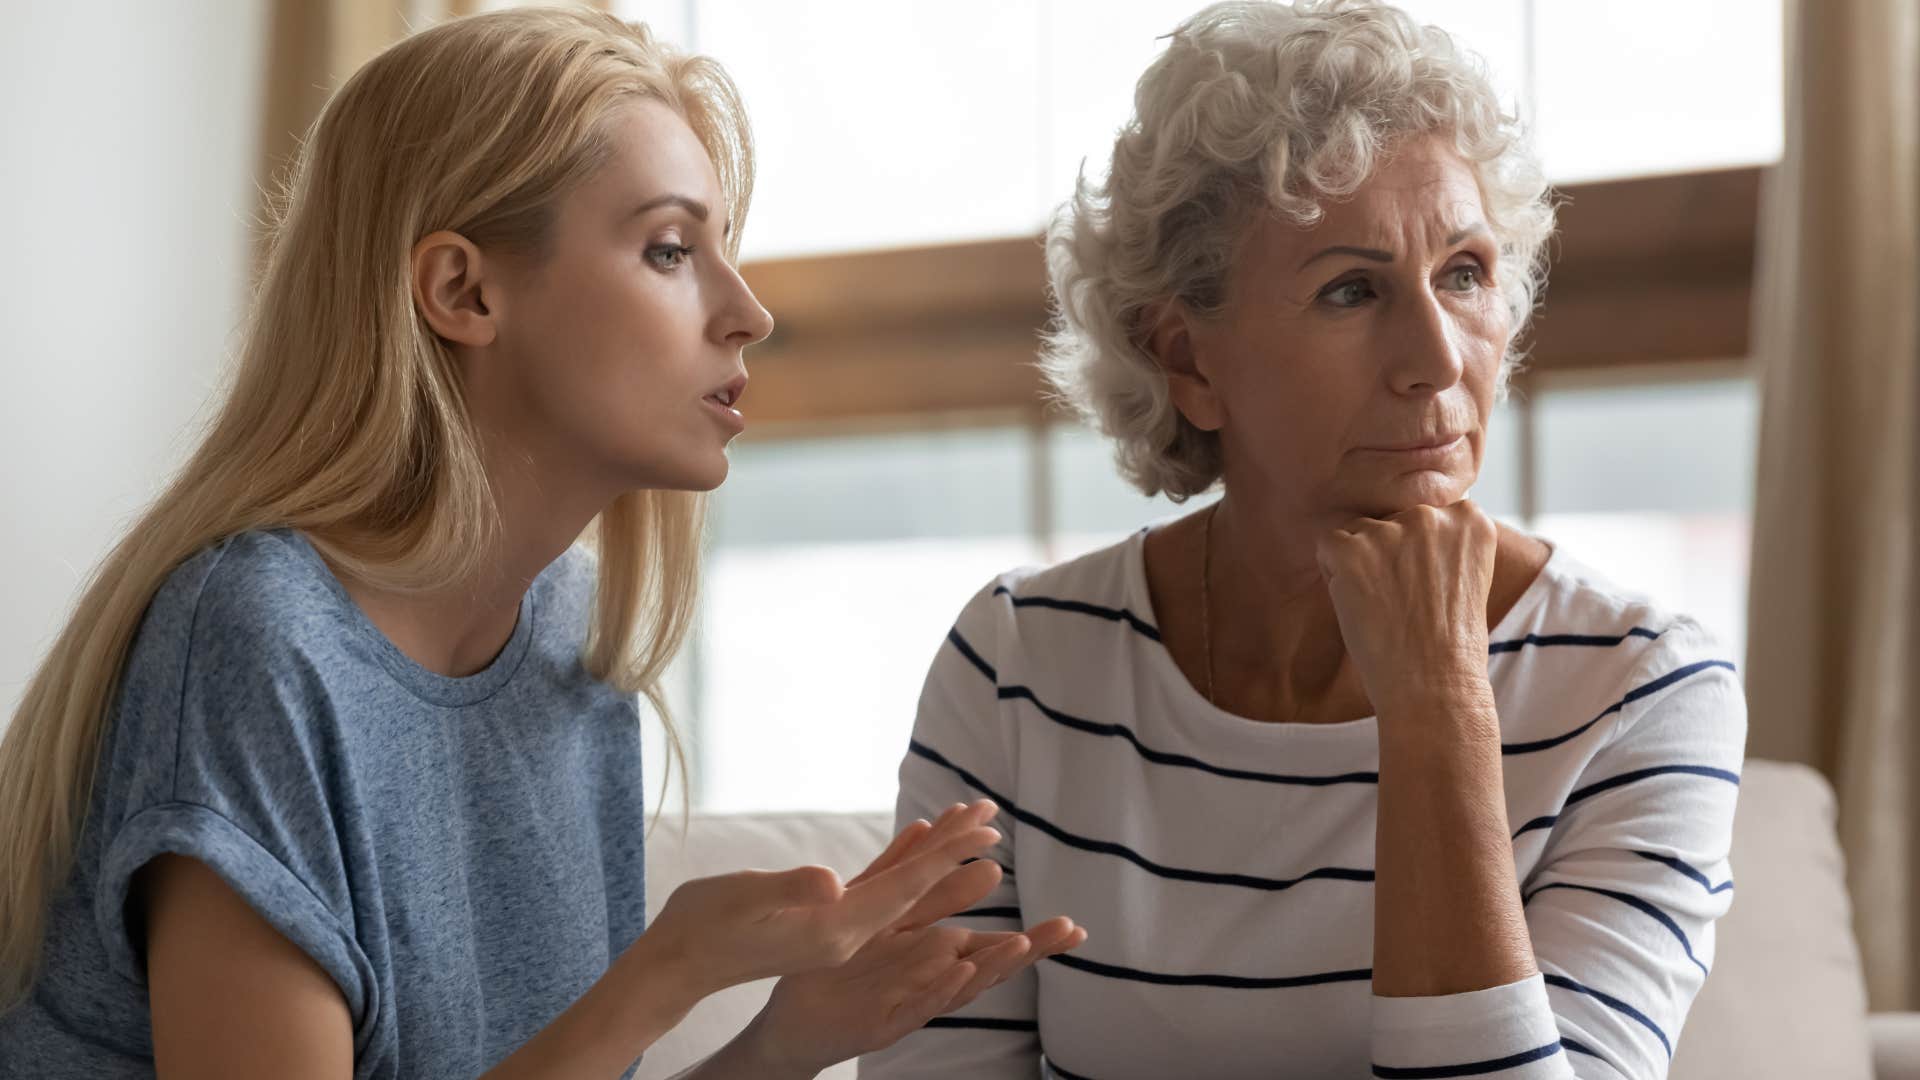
point(666, 18)
point(1093, 507)
point(1652, 485)
point(881, 124)
point(1627, 89)
point(837, 567)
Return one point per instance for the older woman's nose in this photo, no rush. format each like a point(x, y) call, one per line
point(1426, 357)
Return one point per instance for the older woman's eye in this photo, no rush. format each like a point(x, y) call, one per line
point(1465, 278)
point(1347, 293)
point(668, 256)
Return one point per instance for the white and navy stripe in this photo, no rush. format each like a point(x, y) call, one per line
point(1225, 868)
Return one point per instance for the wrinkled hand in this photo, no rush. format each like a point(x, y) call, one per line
point(1411, 595)
point(735, 928)
point(906, 975)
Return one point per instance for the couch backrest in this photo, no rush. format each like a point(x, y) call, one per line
point(1785, 1001)
point(1786, 998)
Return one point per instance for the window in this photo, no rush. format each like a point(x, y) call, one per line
point(836, 566)
point(882, 123)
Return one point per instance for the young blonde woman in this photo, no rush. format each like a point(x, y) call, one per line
point(336, 769)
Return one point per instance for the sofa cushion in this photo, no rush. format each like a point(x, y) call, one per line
point(1786, 999)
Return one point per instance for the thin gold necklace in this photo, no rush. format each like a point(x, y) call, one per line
point(1206, 594)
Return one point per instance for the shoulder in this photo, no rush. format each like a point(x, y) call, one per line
point(1057, 618)
point(1101, 584)
point(1578, 628)
point(1578, 600)
point(245, 600)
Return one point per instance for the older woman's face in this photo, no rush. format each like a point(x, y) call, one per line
point(1353, 369)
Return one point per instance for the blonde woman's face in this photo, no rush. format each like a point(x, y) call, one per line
point(1354, 367)
point(619, 360)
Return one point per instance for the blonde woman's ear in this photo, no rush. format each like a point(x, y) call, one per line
point(448, 272)
point(1170, 341)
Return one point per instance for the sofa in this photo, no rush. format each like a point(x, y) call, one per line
point(1786, 1000)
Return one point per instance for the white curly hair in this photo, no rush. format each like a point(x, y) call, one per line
point(1259, 105)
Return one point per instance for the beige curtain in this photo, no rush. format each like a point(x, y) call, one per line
point(1833, 663)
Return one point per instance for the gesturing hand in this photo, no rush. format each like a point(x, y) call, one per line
point(1411, 594)
point(906, 975)
point(735, 928)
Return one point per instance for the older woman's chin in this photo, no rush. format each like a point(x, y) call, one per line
point(1406, 492)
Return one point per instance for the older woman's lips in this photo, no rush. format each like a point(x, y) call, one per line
point(1423, 453)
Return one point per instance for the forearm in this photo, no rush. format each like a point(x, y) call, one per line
point(745, 1058)
point(644, 993)
point(1447, 912)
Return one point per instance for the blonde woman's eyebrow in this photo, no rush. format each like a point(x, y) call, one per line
point(692, 206)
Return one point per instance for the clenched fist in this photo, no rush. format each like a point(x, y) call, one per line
point(1411, 595)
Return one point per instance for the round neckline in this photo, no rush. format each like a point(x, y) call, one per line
point(428, 685)
point(1192, 701)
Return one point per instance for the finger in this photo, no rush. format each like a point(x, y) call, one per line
point(959, 819)
point(766, 893)
point(994, 966)
point(959, 890)
point(1070, 942)
point(903, 842)
point(1330, 551)
point(888, 896)
point(939, 997)
point(979, 941)
point(954, 821)
point(1049, 936)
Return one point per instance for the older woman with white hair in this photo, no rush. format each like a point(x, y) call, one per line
point(1342, 777)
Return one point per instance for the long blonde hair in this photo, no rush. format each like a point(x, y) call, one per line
point(345, 419)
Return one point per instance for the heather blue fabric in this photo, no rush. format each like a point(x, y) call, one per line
point(462, 855)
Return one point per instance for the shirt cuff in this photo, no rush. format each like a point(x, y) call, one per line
point(1506, 1031)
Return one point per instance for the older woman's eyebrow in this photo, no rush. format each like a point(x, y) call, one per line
point(1374, 254)
point(1377, 255)
point(1478, 228)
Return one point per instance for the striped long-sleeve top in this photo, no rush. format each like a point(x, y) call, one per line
point(1224, 867)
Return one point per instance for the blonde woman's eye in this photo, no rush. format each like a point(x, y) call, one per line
point(668, 256)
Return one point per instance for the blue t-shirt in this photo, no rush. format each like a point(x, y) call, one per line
point(462, 855)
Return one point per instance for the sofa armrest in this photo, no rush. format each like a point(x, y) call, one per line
point(1896, 1045)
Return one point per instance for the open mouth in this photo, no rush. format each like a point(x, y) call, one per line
point(723, 400)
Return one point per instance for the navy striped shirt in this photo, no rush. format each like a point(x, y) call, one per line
point(1224, 867)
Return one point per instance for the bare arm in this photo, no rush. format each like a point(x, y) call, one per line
point(1447, 913)
point(232, 997)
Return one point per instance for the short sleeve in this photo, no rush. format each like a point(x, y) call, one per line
point(220, 749)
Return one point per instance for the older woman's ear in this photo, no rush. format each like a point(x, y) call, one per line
point(1170, 341)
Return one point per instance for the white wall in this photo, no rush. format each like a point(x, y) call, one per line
point(128, 135)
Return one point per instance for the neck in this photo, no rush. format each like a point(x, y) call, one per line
point(1272, 620)
point(459, 629)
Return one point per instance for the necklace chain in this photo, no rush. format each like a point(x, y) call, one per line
point(1206, 595)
